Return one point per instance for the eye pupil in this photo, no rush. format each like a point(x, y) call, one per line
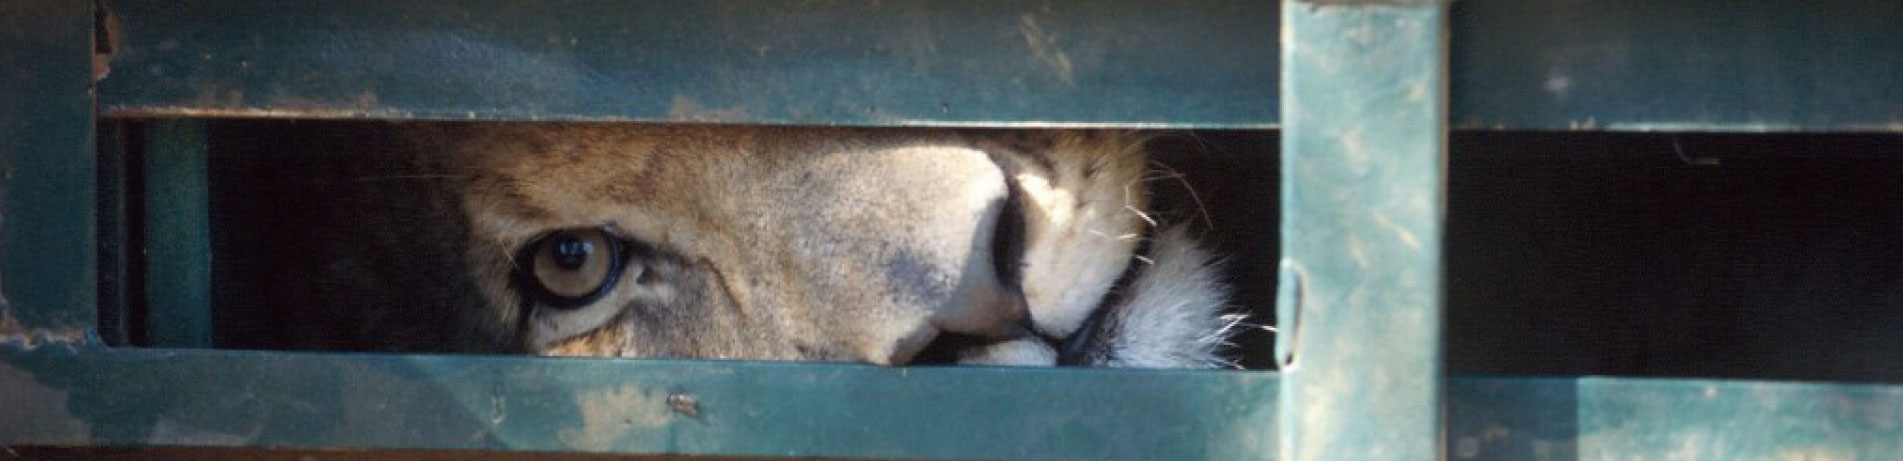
point(571, 252)
point(568, 269)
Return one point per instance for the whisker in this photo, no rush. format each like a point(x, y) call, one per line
point(1201, 209)
point(1133, 209)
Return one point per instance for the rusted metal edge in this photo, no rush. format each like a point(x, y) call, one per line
point(13, 335)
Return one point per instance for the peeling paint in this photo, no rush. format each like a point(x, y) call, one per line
point(105, 41)
point(610, 414)
point(13, 334)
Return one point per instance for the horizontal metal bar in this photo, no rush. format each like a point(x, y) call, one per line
point(98, 396)
point(63, 396)
point(981, 62)
point(1614, 418)
point(1637, 65)
point(1620, 65)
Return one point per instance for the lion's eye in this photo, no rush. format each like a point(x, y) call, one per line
point(572, 268)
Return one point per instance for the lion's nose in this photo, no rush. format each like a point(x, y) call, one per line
point(999, 314)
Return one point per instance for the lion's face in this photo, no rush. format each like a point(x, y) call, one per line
point(789, 243)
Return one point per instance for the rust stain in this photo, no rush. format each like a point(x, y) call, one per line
point(105, 41)
point(684, 404)
point(12, 333)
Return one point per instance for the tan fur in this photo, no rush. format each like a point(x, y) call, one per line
point(799, 243)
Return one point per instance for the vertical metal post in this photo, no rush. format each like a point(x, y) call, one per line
point(47, 251)
point(1363, 164)
point(177, 235)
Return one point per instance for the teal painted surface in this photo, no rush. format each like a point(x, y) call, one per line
point(859, 62)
point(1363, 173)
point(47, 254)
point(1757, 65)
point(98, 396)
point(65, 396)
point(1612, 418)
point(177, 235)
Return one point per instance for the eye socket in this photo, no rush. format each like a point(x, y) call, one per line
point(570, 268)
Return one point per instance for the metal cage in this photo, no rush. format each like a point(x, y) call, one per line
point(1363, 93)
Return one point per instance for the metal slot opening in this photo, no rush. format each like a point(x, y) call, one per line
point(1764, 256)
point(286, 210)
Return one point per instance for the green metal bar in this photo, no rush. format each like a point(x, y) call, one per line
point(98, 396)
point(177, 234)
point(1638, 65)
point(143, 397)
point(1624, 65)
point(1612, 418)
point(1363, 162)
point(47, 251)
point(857, 62)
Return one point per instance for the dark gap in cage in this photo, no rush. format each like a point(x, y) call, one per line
point(292, 202)
point(131, 289)
point(113, 229)
point(1763, 256)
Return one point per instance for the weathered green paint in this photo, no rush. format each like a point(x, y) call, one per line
point(1363, 168)
point(93, 396)
point(859, 62)
point(97, 396)
point(177, 234)
point(1757, 65)
point(47, 254)
point(1612, 418)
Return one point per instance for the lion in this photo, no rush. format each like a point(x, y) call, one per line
point(888, 246)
